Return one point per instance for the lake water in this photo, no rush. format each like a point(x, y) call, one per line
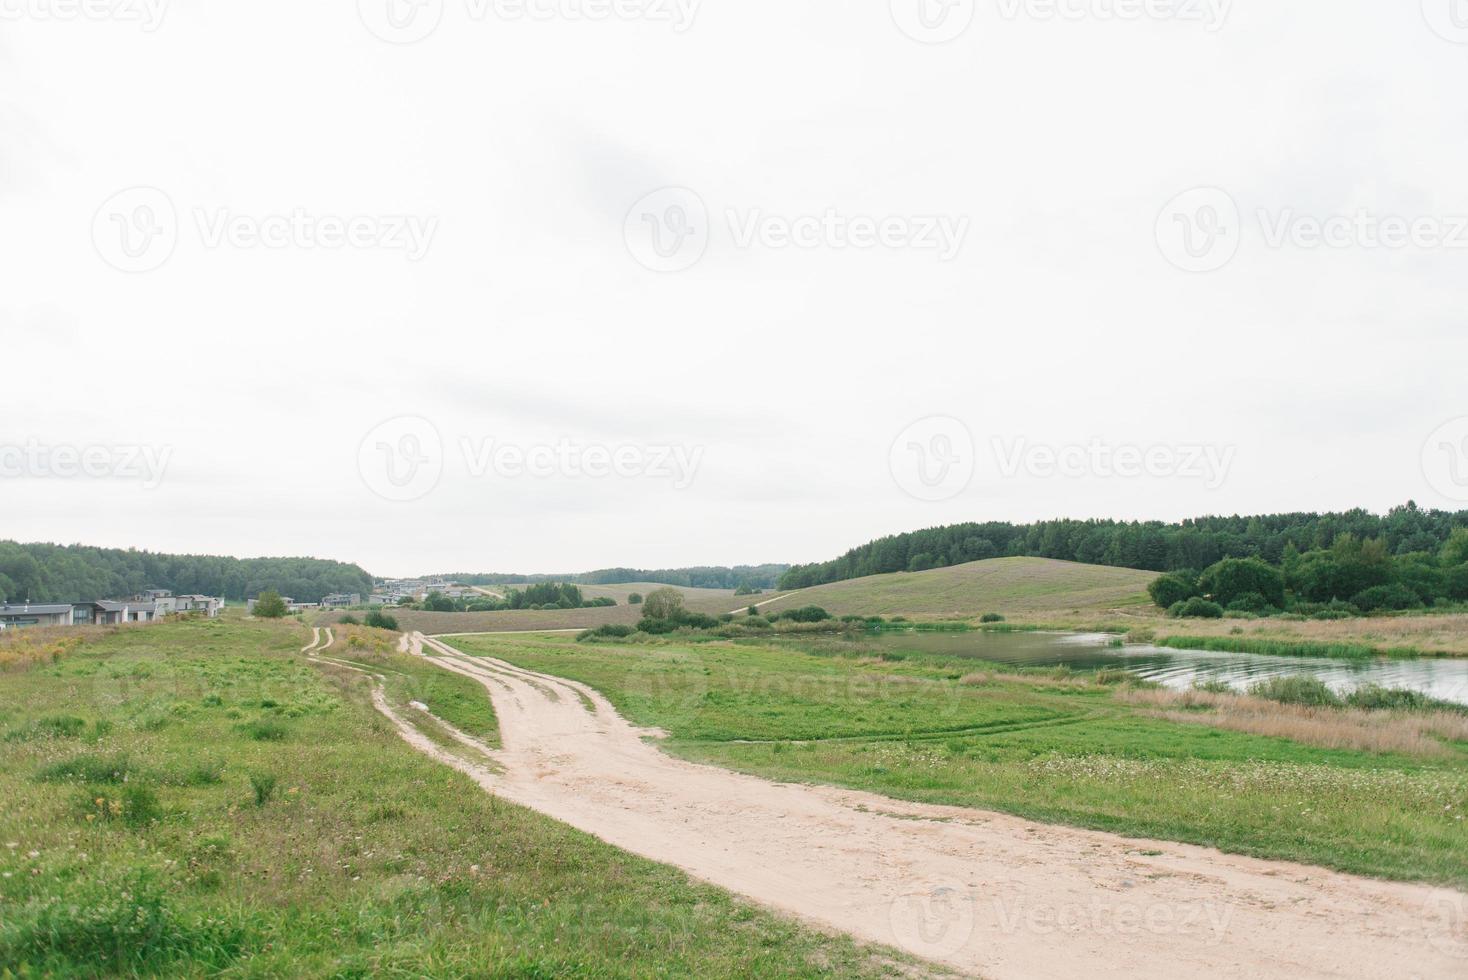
point(1444, 678)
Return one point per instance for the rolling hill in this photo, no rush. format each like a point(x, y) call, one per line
point(1029, 588)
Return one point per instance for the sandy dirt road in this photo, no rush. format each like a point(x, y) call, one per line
point(986, 893)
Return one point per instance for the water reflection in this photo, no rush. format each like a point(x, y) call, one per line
point(1440, 678)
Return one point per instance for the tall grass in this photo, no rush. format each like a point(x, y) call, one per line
point(1418, 733)
point(1289, 648)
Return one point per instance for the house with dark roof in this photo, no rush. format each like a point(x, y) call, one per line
point(35, 614)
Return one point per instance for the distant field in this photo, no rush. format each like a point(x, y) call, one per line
point(711, 601)
point(1010, 586)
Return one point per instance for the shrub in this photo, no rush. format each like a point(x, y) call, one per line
point(52, 726)
point(264, 730)
point(1390, 597)
point(752, 610)
point(656, 626)
point(87, 769)
point(1251, 602)
point(806, 614)
point(698, 621)
point(263, 783)
point(1168, 590)
point(991, 618)
point(378, 619)
point(1196, 608)
point(1296, 689)
point(269, 605)
point(111, 924)
point(614, 630)
point(135, 805)
point(634, 599)
point(349, 620)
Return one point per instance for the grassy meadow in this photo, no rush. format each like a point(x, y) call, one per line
point(197, 798)
point(1345, 790)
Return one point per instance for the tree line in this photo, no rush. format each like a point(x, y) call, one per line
point(701, 577)
point(69, 573)
point(1351, 577)
point(1151, 545)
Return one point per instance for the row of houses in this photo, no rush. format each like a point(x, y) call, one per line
point(144, 608)
point(391, 592)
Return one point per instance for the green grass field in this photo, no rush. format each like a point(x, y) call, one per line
point(1041, 746)
point(1010, 586)
point(198, 799)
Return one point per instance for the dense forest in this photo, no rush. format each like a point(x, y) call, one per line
point(1153, 545)
point(56, 573)
point(703, 577)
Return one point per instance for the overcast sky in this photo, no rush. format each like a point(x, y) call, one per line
point(660, 282)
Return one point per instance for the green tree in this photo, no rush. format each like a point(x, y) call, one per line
point(634, 599)
point(1166, 590)
point(270, 605)
point(1234, 578)
point(1455, 550)
point(663, 604)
